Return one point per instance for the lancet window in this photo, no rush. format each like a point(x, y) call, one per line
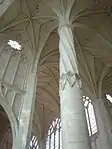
point(54, 139)
point(90, 116)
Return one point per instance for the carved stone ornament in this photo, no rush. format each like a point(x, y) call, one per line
point(69, 78)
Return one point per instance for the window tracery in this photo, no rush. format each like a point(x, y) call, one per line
point(54, 139)
point(34, 143)
point(90, 116)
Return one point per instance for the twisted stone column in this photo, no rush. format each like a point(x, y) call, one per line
point(74, 127)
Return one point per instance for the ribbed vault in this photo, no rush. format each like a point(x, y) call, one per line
point(34, 25)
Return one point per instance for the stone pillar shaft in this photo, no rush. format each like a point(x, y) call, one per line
point(42, 144)
point(74, 126)
point(104, 131)
point(25, 122)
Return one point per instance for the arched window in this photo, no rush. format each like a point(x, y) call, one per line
point(54, 139)
point(90, 116)
point(34, 143)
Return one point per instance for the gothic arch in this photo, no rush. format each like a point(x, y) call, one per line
point(11, 117)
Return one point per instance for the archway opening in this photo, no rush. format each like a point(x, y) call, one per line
point(6, 139)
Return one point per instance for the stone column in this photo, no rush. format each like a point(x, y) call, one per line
point(25, 122)
point(42, 144)
point(74, 126)
point(104, 139)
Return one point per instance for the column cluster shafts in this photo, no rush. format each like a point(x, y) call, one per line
point(74, 127)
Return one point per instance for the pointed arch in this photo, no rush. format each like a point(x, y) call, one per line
point(11, 117)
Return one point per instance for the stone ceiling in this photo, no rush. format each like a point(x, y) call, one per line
point(34, 24)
